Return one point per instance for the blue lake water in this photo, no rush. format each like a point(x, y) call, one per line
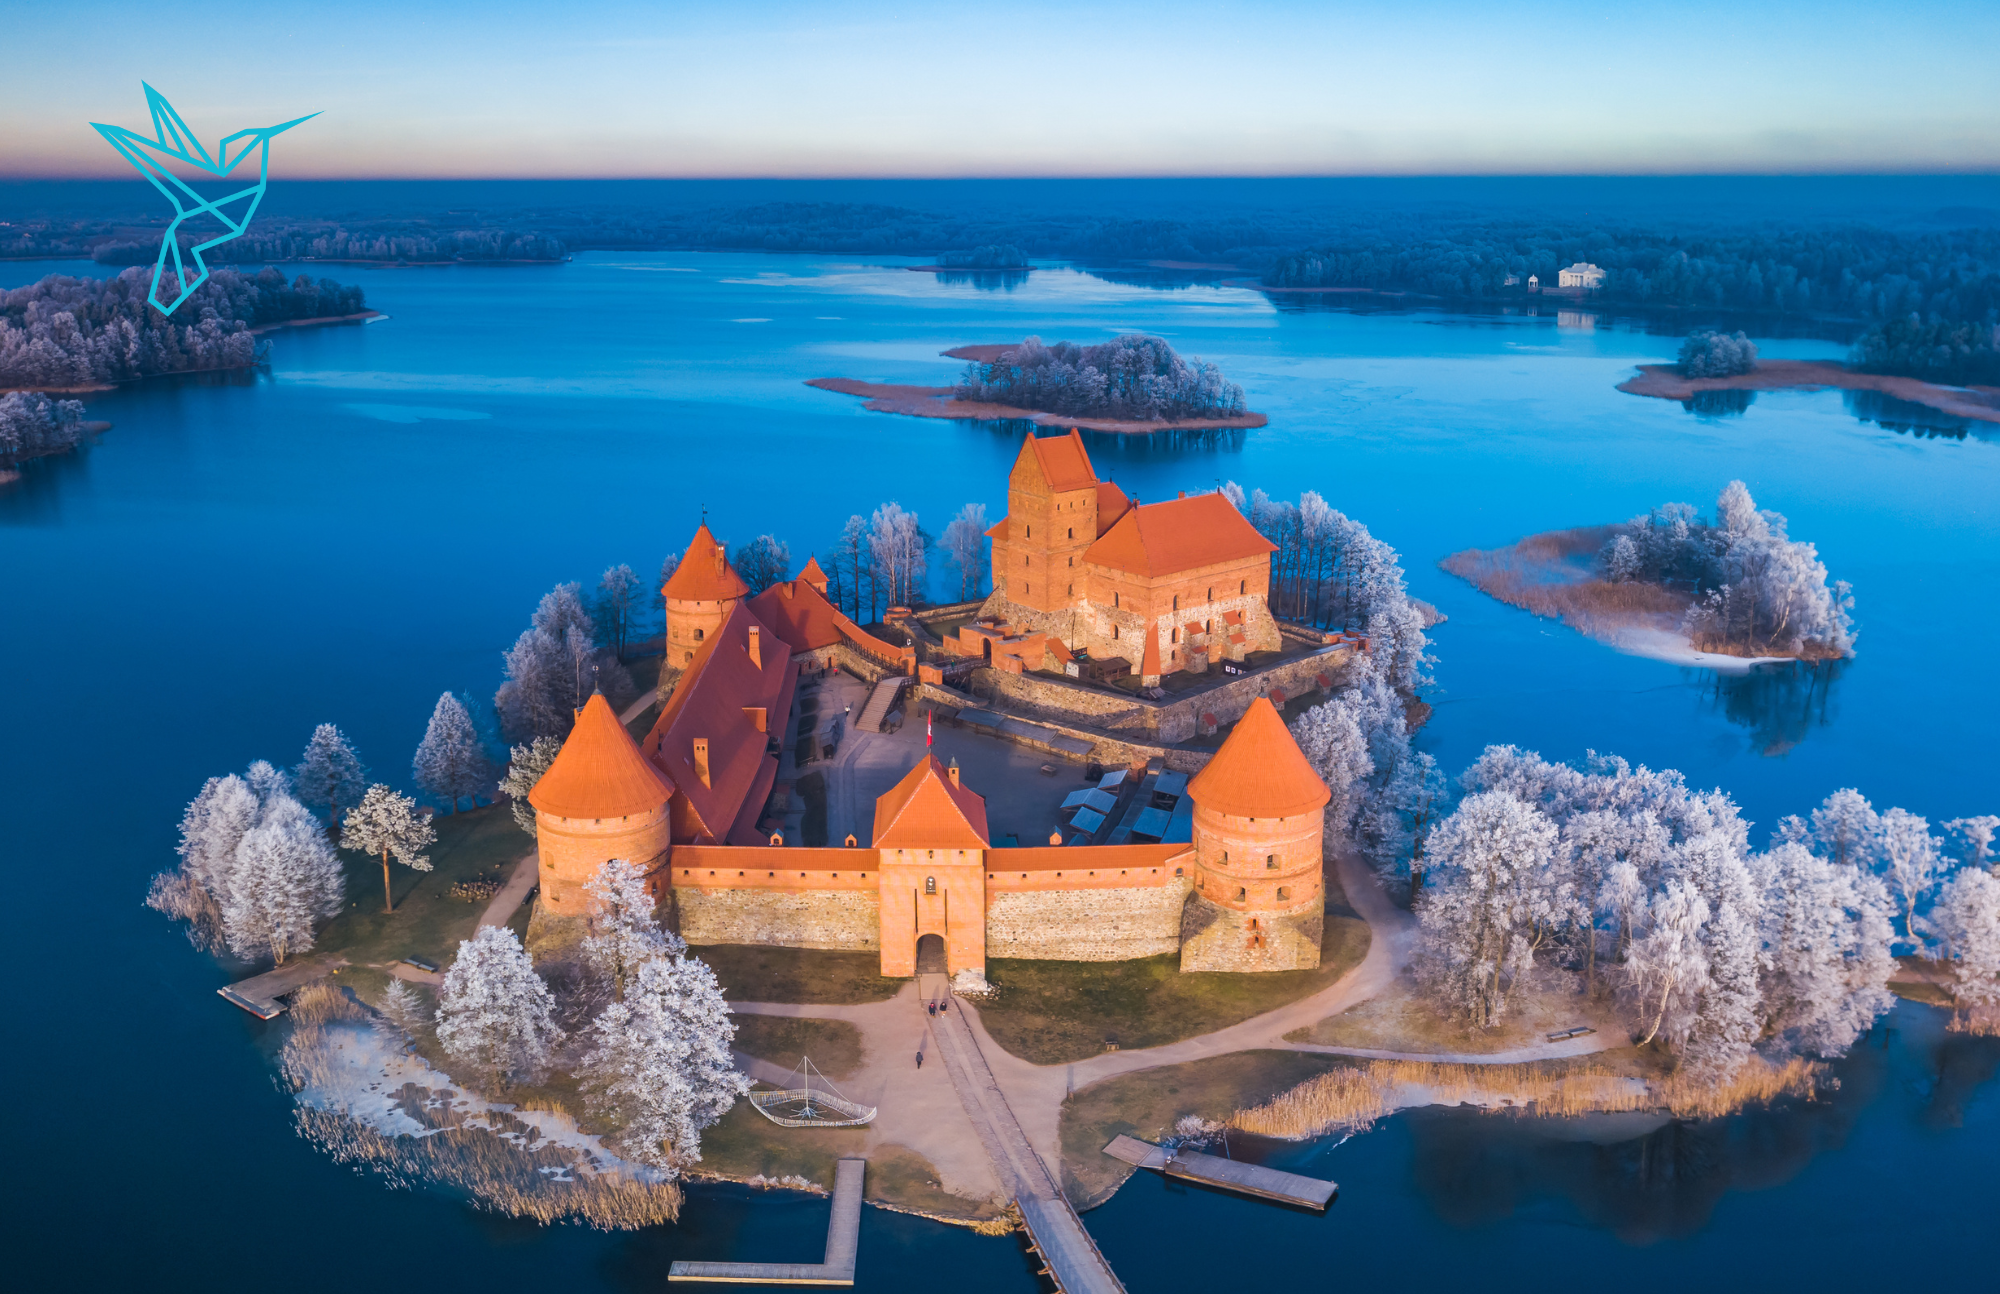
point(370, 521)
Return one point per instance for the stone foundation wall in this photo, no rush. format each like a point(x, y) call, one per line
point(1222, 939)
point(1086, 925)
point(850, 919)
point(1172, 720)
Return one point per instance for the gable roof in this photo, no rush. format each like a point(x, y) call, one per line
point(1260, 772)
point(1062, 460)
point(599, 773)
point(925, 811)
point(1112, 504)
point(704, 574)
point(814, 574)
point(719, 684)
point(1179, 535)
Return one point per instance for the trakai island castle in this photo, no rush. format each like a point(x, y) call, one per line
point(1081, 573)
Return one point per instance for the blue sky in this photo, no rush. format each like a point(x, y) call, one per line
point(877, 89)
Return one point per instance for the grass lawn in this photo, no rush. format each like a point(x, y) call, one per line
point(1401, 1018)
point(1051, 1012)
point(834, 1045)
point(757, 973)
point(1146, 1104)
point(745, 1143)
point(428, 922)
point(900, 1176)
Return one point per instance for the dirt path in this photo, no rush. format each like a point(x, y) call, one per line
point(527, 871)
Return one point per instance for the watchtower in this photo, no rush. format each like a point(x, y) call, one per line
point(699, 595)
point(1259, 901)
point(1052, 505)
point(599, 800)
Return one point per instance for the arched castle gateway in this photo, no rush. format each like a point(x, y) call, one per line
point(1246, 895)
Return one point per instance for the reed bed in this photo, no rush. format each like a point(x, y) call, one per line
point(503, 1164)
point(1352, 1098)
point(1531, 575)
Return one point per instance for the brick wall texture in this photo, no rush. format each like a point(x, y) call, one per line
point(1086, 925)
point(1222, 939)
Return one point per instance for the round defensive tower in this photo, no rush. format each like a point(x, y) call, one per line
point(599, 800)
point(699, 595)
point(1259, 900)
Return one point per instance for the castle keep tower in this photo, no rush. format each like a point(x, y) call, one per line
point(1258, 902)
point(600, 800)
point(699, 595)
point(931, 838)
point(1052, 507)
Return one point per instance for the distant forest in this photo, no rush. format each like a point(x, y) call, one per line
point(1944, 270)
point(70, 332)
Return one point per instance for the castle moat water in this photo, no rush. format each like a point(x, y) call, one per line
point(369, 522)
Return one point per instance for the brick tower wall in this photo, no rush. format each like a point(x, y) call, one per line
point(689, 624)
point(572, 849)
point(1259, 900)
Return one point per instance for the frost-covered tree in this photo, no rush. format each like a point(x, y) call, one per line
point(402, 1008)
point(550, 669)
point(1847, 829)
point(1337, 749)
point(330, 775)
point(763, 561)
point(898, 546)
point(1132, 376)
point(619, 597)
point(562, 609)
point(494, 1012)
point(660, 1064)
point(965, 543)
point(1666, 970)
point(1492, 901)
point(450, 764)
point(854, 567)
point(1717, 354)
point(388, 825)
point(1910, 866)
point(1826, 938)
point(211, 828)
point(1977, 833)
point(624, 933)
point(284, 881)
point(1966, 919)
point(525, 767)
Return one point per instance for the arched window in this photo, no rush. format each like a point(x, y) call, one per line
point(1242, 894)
point(930, 885)
point(1072, 532)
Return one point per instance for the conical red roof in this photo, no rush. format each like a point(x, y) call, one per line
point(599, 772)
point(704, 574)
point(1260, 772)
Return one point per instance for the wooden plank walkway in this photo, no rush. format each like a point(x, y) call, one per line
point(880, 701)
point(843, 1243)
point(260, 993)
point(1226, 1174)
point(1072, 1258)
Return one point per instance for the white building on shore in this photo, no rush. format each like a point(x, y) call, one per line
point(1580, 275)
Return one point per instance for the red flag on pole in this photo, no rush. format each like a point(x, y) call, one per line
point(927, 729)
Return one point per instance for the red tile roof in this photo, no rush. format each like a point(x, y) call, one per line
point(925, 811)
point(800, 614)
point(599, 772)
point(772, 858)
point(1180, 535)
point(704, 574)
point(814, 575)
point(1111, 505)
point(1260, 772)
point(709, 702)
point(1063, 461)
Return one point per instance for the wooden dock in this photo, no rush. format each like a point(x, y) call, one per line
point(1226, 1174)
point(260, 993)
point(843, 1241)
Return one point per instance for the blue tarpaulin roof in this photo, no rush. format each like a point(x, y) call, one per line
point(1110, 780)
point(1152, 822)
point(1171, 784)
point(1180, 827)
point(980, 718)
point(1087, 820)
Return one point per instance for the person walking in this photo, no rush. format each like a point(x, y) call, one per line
point(920, 1060)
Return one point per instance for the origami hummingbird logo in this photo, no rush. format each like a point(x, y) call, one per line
point(173, 139)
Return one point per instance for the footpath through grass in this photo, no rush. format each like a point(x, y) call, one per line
point(479, 845)
point(1052, 1012)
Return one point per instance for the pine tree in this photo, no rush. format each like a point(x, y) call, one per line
point(211, 828)
point(449, 762)
point(386, 824)
point(525, 768)
point(330, 775)
point(660, 1062)
point(494, 1011)
point(285, 879)
point(403, 1009)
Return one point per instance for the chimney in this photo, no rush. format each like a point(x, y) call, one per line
point(755, 714)
point(756, 647)
point(952, 772)
point(701, 760)
point(1183, 494)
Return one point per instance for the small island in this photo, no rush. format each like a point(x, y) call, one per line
point(1669, 585)
point(1130, 385)
point(1712, 361)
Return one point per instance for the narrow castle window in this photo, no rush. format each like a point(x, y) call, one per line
point(1114, 599)
point(1242, 894)
point(1225, 855)
point(1271, 860)
point(1243, 586)
point(697, 635)
point(930, 885)
point(1177, 601)
point(1072, 532)
point(1283, 894)
point(1114, 631)
point(1031, 532)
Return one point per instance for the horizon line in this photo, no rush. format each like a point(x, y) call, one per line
point(1992, 171)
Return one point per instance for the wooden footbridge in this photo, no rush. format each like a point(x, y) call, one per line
point(1070, 1257)
point(843, 1241)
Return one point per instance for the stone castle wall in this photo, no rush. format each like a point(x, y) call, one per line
point(1086, 925)
point(841, 919)
point(1222, 939)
